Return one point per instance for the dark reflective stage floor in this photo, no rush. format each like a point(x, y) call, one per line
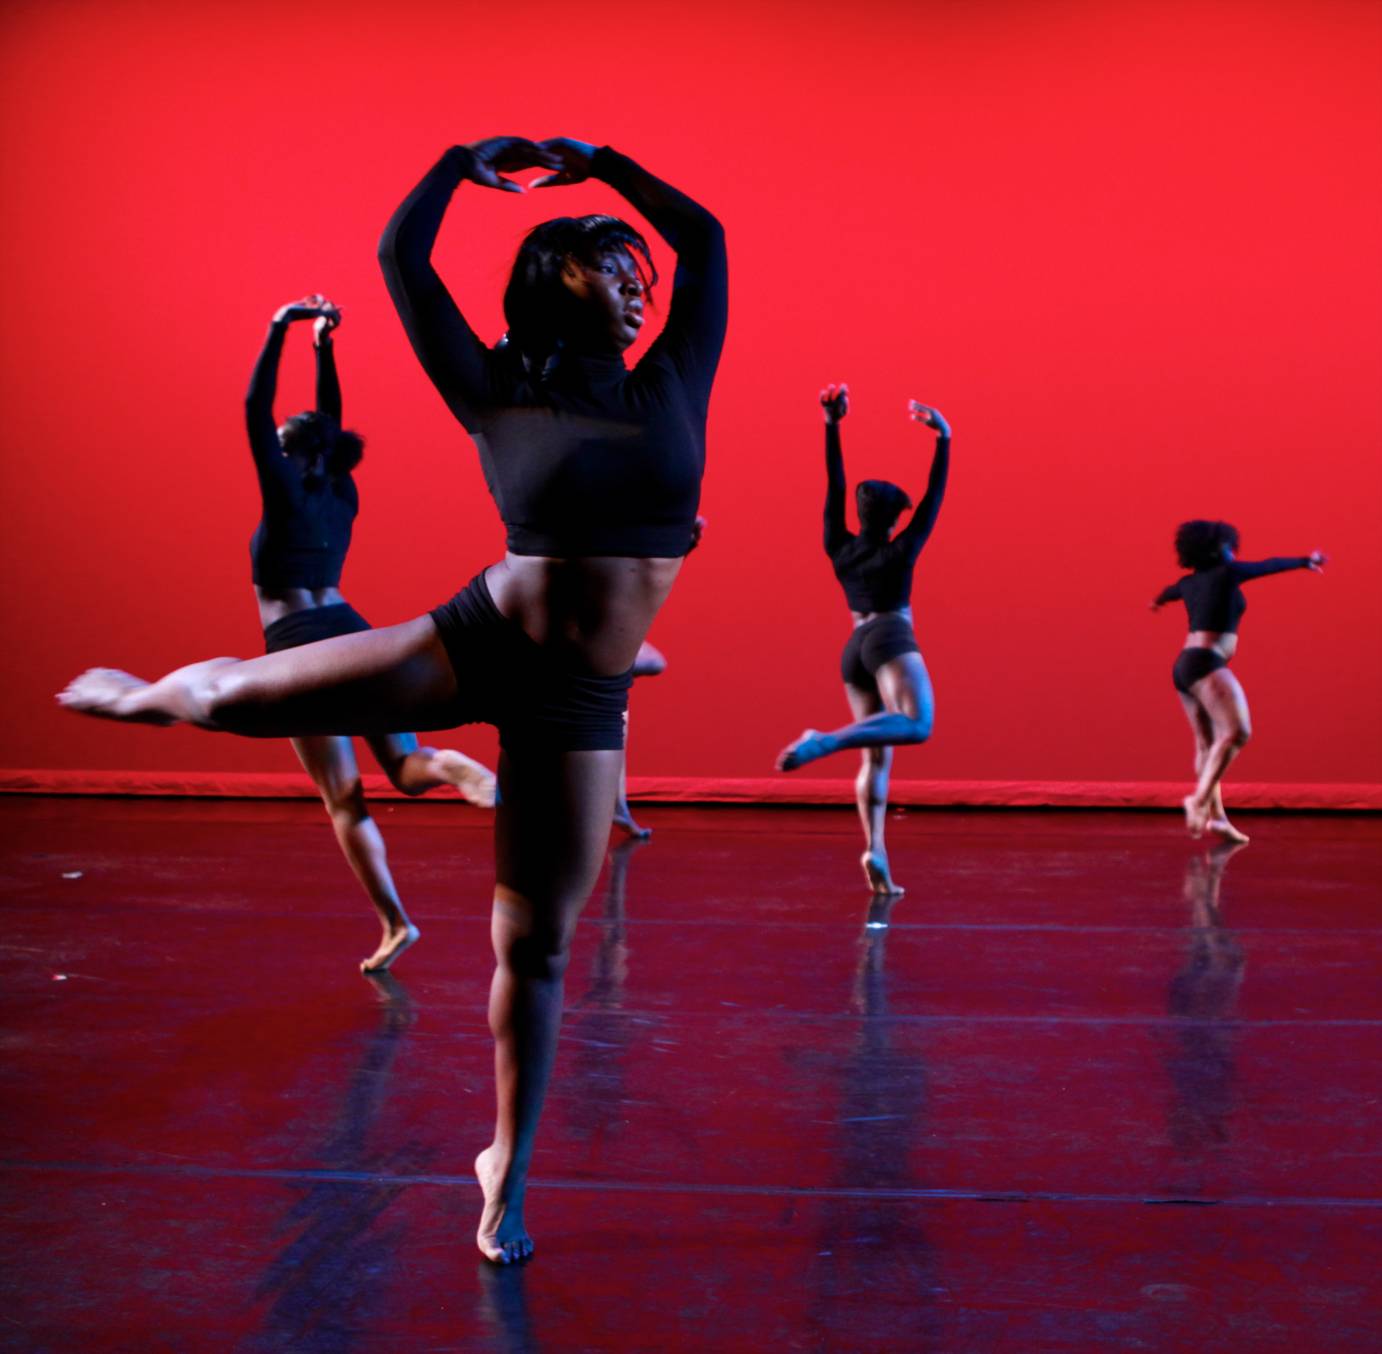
point(1090, 1088)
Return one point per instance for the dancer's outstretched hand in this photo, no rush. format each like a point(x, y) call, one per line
point(933, 418)
point(573, 161)
point(835, 402)
point(496, 156)
point(311, 307)
point(1318, 559)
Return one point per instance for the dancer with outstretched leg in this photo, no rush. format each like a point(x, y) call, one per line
point(886, 682)
point(309, 502)
point(596, 471)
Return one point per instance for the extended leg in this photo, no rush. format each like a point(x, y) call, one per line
point(551, 829)
point(331, 764)
point(397, 677)
point(907, 717)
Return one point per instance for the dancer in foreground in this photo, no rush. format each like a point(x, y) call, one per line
point(886, 683)
point(1209, 693)
point(596, 471)
point(297, 553)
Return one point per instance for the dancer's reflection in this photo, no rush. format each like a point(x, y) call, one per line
point(1200, 1054)
point(874, 1262)
point(598, 1033)
point(338, 1266)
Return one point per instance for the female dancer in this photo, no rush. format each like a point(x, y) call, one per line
point(596, 471)
point(886, 682)
point(1209, 693)
point(297, 553)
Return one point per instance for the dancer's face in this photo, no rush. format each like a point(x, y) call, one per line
point(610, 292)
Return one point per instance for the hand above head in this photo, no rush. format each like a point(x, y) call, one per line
point(314, 307)
point(325, 323)
point(572, 161)
point(835, 402)
point(1318, 559)
point(496, 156)
point(933, 418)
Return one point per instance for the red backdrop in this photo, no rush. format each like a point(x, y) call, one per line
point(1132, 252)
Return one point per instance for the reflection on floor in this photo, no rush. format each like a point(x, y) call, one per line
point(1087, 1086)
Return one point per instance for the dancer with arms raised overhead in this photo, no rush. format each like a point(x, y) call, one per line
point(886, 682)
point(309, 505)
point(596, 471)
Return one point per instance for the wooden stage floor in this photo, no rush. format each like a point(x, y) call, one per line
point(1088, 1087)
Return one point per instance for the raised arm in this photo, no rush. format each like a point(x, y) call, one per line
point(454, 358)
point(914, 535)
point(259, 399)
point(695, 328)
point(1243, 570)
point(835, 405)
point(328, 382)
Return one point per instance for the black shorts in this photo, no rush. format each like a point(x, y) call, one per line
point(307, 627)
point(1192, 664)
point(537, 700)
point(871, 645)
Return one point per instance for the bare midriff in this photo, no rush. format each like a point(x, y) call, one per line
point(275, 603)
point(599, 608)
point(863, 617)
point(1225, 643)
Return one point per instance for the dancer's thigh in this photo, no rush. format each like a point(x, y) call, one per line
point(330, 761)
point(551, 831)
point(905, 687)
point(375, 682)
point(1225, 702)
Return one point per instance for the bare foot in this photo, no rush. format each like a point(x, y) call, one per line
point(1195, 816)
point(811, 745)
point(396, 940)
point(502, 1238)
point(475, 782)
point(876, 871)
point(99, 691)
point(1221, 827)
point(623, 819)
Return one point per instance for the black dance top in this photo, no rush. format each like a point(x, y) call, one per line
point(583, 457)
point(1212, 596)
point(876, 573)
point(304, 532)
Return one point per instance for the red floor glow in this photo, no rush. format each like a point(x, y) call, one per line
point(1088, 1087)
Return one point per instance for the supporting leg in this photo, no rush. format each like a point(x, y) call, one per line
point(1223, 701)
point(551, 830)
point(331, 764)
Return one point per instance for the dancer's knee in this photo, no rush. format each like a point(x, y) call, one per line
point(399, 770)
point(1237, 737)
point(541, 954)
point(344, 797)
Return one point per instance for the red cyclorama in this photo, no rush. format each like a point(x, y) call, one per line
point(1131, 252)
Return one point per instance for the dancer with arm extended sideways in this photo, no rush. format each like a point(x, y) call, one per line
point(886, 682)
point(309, 503)
point(596, 471)
point(1209, 693)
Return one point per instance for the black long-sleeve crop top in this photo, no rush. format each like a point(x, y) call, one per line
point(585, 457)
point(1213, 598)
point(877, 574)
point(304, 530)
